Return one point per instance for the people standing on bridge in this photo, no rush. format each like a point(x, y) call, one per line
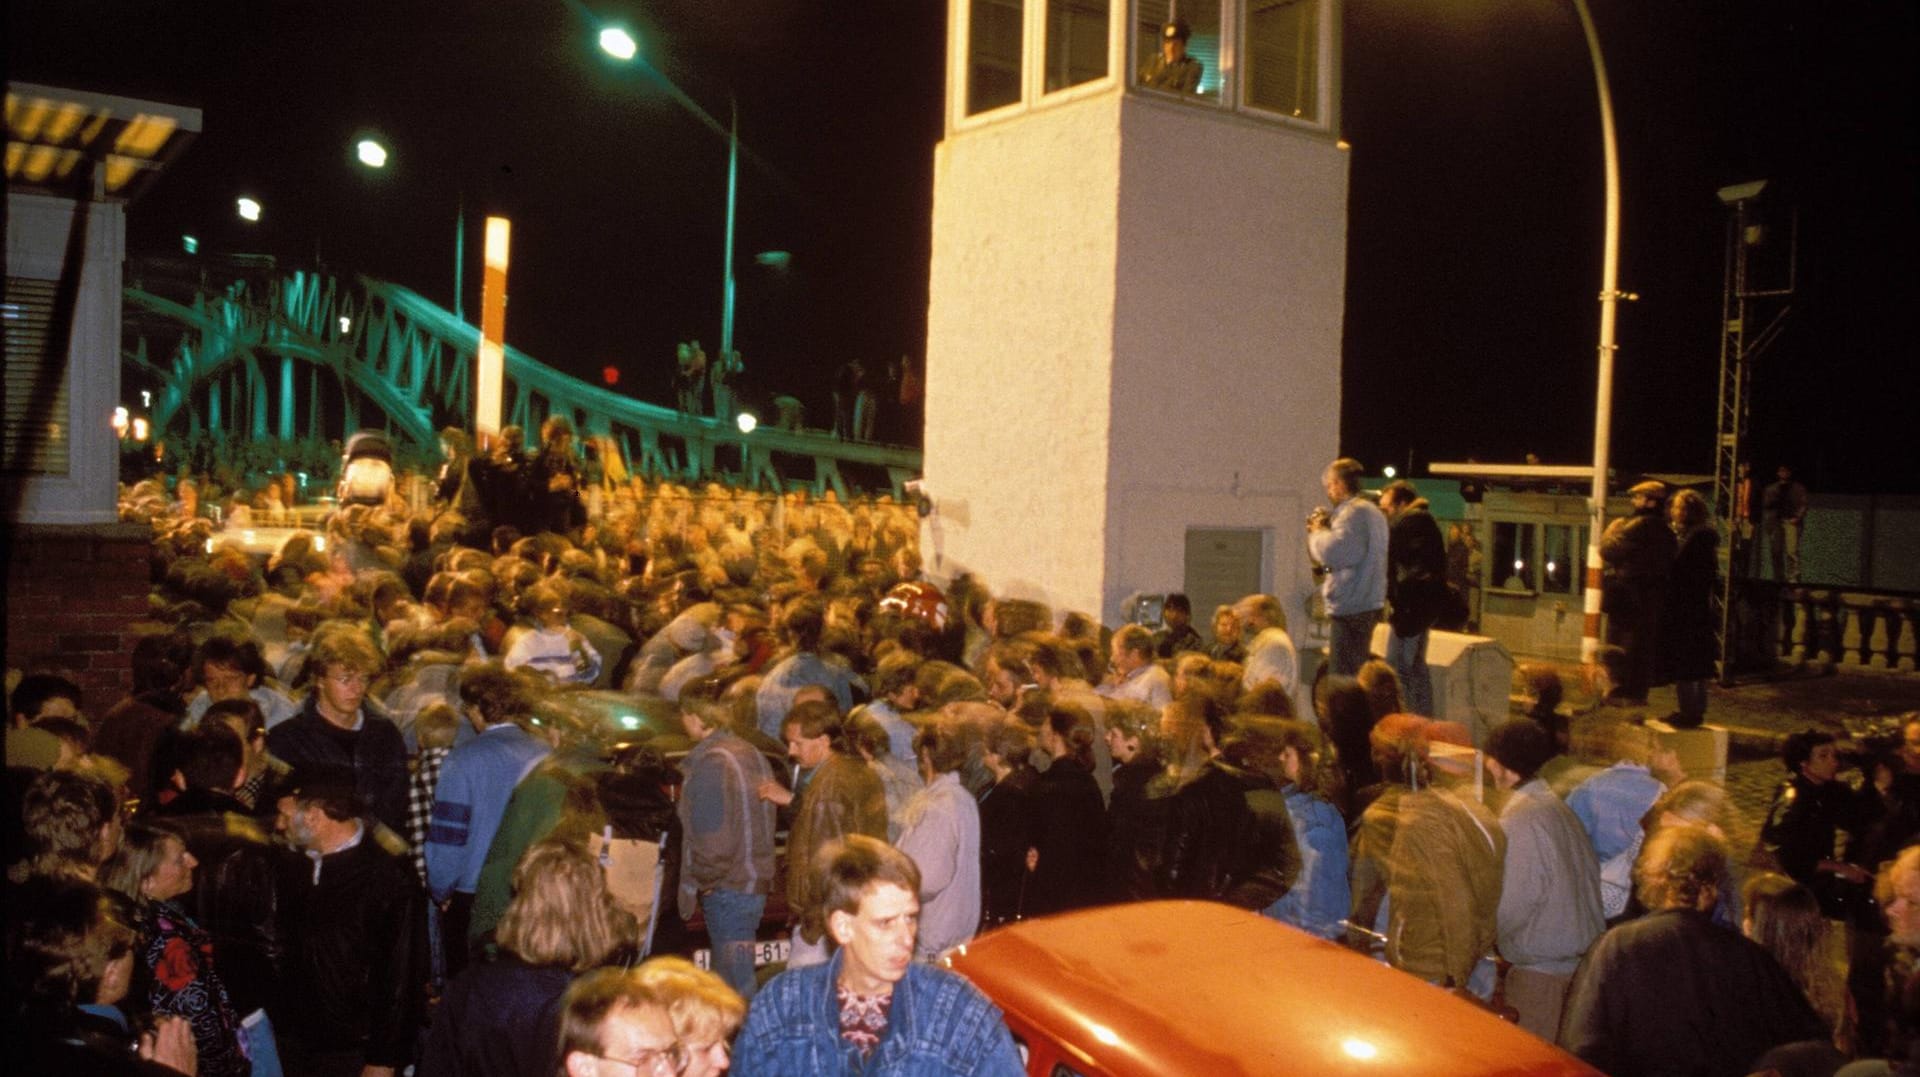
point(554, 479)
point(849, 382)
point(1784, 505)
point(727, 366)
point(1638, 553)
point(689, 377)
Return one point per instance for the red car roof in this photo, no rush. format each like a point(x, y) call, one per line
point(1190, 987)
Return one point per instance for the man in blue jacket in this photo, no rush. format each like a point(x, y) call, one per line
point(476, 781)
point(1351, 542)
point(872, 1009)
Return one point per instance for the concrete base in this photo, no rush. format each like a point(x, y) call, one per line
point(1702, 751)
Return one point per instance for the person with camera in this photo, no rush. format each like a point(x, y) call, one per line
point(1351, 540)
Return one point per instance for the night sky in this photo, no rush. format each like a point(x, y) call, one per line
point(1474, 242)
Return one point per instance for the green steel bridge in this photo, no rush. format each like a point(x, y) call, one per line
point(262, 352)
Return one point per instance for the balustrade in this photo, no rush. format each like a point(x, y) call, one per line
point(1836, 628)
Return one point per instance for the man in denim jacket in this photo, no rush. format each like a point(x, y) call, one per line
point(872, 1009)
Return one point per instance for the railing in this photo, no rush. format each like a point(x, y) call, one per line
point(1846, 628)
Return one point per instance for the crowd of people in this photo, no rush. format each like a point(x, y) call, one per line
point(366, 805)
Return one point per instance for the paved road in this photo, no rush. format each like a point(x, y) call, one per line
point(1759, 714)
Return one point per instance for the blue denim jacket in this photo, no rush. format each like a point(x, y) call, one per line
point(1320, 897)
point(939, 1024)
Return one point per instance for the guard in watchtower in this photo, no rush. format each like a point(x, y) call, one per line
point(1173, 69)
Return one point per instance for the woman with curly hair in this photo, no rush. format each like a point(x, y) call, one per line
point(176, 960)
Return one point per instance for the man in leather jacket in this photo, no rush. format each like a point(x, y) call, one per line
point(355, 917)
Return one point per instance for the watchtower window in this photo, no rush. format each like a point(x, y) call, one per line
point(1283, 57)
point(993, 54)
point(1076, 41)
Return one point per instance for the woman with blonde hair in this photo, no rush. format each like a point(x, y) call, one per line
point(501, 1016)
point(705, 1011)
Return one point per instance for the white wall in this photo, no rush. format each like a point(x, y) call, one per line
point(1019, 352)
point(1230, 296)
point(38, 228)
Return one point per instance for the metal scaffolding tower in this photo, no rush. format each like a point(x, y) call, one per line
point(1741, 303)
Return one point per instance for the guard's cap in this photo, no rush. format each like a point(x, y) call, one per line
point(1649, 488)
point(1175, 30)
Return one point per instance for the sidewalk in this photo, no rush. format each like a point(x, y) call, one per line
point(1759, 715)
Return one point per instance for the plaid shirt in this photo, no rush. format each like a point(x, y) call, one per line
point(426, 775)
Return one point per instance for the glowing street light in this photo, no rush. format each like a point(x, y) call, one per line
point(747, 422)
point(371, 153)
point(248, 209)
point(619, 44)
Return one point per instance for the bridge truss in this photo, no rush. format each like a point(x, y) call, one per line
point(230, 358)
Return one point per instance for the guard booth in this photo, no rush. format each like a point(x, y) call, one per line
point(1123, 263)
point(1534, 546)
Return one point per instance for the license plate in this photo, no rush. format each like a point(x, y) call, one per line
point(765, 952)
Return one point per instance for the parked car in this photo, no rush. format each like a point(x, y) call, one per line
point(1159, 988)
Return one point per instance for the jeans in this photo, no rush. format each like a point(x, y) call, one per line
point(733, 920)
point(1408, 657)
point(1352, 641)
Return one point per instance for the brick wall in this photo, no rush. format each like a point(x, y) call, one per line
point(75, 597)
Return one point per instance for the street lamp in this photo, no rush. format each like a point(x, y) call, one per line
point(249, 209)
point(619, 44)
point(1610, 296)
point(371, 153)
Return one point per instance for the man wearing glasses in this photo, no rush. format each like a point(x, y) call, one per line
point(615, 1024)
point(340, 732)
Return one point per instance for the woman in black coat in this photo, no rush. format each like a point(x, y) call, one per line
point(1069, 820)
point(1688, 645)
point(1006, 821)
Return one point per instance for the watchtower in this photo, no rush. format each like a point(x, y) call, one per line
point(1138, 278)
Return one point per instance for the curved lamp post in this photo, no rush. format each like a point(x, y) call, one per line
point(1610, 296)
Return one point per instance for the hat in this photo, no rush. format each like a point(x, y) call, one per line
point(1649, 488)
point(1175, 30)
